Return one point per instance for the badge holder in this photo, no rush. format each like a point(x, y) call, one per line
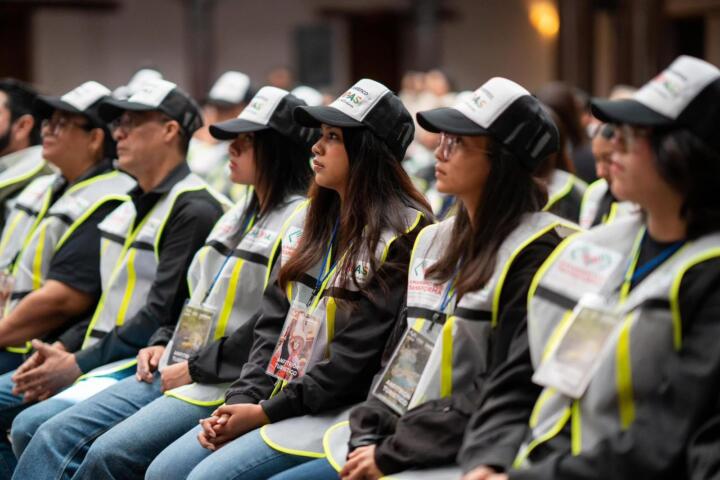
point(192, 331)
point(295, 345)
point(572, 362)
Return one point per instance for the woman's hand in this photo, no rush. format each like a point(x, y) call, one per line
point(361, 465)
point(484, 473)
point(229, 422)
point(175, 375)
point(148, 360)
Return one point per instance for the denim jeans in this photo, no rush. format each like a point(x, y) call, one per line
point(247, 457)
point(319, 469)
point(10, 406)
point(114, 434)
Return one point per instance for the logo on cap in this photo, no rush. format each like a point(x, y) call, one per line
point(85, 95)
point(360, 99)
point(153, 92)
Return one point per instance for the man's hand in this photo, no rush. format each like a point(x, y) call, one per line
point(148, 360)
point(229, 422)
point(175, 375)
point(484, 473)
point(361, 465)
point(54, 370)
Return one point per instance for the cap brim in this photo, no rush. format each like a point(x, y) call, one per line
point(113, 108)
point(313, 117)
point(627, 111)
point(449, 120)
point(44, 106)
point(232, 128)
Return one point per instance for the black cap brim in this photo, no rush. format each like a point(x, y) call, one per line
point(232, 128)
point(113, 108)
point(449, 120)
point(313, 117)
point(629, 112)
point(44, 106)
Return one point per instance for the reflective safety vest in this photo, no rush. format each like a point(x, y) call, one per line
point(54, 224)
point(17, 170)
point(650, 330)
point(591, 201)
point(462, 336)
point(129, 256)
point(303, 435)
point(565, 194)
point(238, 291)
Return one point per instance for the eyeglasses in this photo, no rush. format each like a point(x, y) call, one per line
point(57, 125)
point(127, 123)
point(626, 136)
point(447, 144)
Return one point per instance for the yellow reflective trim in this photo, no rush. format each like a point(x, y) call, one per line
point(104, 244)
point(326, 444)
point(675, 293)
point(545, 395)
point(446, 358)
point(575, 428)
point(557, 334)
point(201, 257)
point(545, 266)
point(508, 264)
point(31, 231)
point(161, 228)
point(279, 238)
point(229, 300)
point(419, 324)
point(37, 259)
point(21, 350)
point(76, 224)
point(10, 229)
point(590, 188)
point(289, 291)
point(289, 451)
point(524, 453)
point(560, 194)
point(192, 401)
point(626, 402)
point(25, 176)
point(129, 288)
point(330, 309)
point(119, 368)
point(635, 255)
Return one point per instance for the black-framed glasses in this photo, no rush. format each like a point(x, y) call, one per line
point(59, 124)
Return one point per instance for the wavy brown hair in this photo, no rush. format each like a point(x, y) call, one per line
point(510, 192)
point(379, 191)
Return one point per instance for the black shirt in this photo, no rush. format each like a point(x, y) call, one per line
point(189, 223)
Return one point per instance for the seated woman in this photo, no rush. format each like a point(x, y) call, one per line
point(467, 290)
point(323, 327)
point(623, 319)
point(118, 432)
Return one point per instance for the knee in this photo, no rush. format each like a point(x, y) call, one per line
point(24, 427)
point(99, 452)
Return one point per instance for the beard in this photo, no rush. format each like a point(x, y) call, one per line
point(4, 141)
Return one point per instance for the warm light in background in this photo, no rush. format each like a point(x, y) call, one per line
point(544, 17)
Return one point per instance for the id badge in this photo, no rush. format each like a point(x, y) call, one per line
point(571, 364)
point(192, 331)
point(294, 348)
point(402, 373)
point(7, 283)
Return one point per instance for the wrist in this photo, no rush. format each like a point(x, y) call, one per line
point(261, 416)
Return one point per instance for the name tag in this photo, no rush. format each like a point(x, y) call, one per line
point(192, 332)
point(572, 362)
point(294, 348)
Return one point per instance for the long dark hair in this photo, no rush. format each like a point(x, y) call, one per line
point(510, 191)
point(693, 169)
point(378, 192)
point(282, 167)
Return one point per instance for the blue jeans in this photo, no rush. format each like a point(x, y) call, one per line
point(114, 434)
point(247, 457)
point(319, 469)
point(10, 406)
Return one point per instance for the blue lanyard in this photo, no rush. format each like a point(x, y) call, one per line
point(658, 259)
point(247, 225)
point(323, 275)
point(447, 295)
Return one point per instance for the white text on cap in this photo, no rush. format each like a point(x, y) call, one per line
point(262, 105)
point(489, 101)
point(85, 95)
point(152, 93)
point(671, 91)
point(360, 99)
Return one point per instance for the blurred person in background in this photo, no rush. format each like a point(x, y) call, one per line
point(561, 98)
point(207, 156)
point(20, 155)
point(136, 81)
point(281, 77)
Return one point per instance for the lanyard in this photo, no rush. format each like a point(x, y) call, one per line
point(635, 274)
point(447, 296)
point(247, 225)
point(324, 274)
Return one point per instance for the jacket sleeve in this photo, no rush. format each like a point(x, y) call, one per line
point(654, 446)
point(431, 434)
